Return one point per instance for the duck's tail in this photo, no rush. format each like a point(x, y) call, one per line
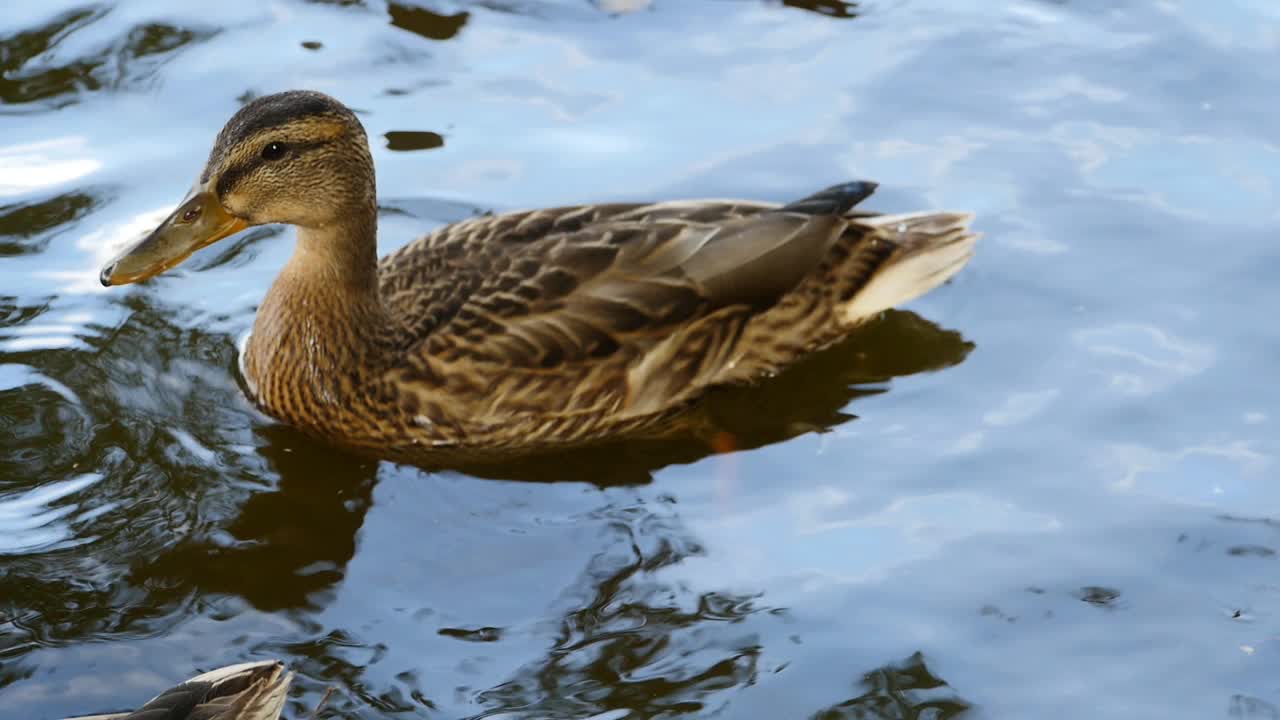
point(248, 691)
point(901, 257)
point(872, 263)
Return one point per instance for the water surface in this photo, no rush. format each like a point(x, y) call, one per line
point(1045, 490)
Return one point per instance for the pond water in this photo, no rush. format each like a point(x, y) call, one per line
point(1045, 490)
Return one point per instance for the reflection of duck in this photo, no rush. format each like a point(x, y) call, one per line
point(284, 547)
point(290, 545)
point(249, 691)
point(527, 329)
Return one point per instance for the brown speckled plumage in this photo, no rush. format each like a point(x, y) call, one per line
point(545, 327)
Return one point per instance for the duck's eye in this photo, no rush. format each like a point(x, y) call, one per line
point(273, 151)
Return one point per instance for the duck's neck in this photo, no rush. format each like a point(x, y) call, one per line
point(321, 326)
point(342, 256)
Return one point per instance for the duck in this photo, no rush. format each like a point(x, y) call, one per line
point(247, 691)
point(527, 329)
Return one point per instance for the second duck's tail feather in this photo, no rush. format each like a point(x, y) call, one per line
point(926, 249)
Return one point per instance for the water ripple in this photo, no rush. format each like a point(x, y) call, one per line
point(36, 521)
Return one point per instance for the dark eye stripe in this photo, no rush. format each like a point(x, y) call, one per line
point(234, 174)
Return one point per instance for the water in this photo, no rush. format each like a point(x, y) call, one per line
point(1057, 499)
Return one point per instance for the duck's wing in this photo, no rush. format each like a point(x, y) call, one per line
point(579, 309)
point(427, 282)
point(545, 288)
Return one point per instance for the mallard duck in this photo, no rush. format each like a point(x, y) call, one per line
point(249, 691)
point(529, 329)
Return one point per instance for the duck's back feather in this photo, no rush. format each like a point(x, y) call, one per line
point(592, 315)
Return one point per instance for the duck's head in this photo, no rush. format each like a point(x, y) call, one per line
point(296, 157)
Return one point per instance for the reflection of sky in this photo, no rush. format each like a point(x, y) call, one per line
point(30, 521)
point(1122, 160)
point(27, 168)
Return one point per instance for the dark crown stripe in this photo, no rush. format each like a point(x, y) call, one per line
point(269, 112)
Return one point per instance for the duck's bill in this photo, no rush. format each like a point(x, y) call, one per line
point(198, 221)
